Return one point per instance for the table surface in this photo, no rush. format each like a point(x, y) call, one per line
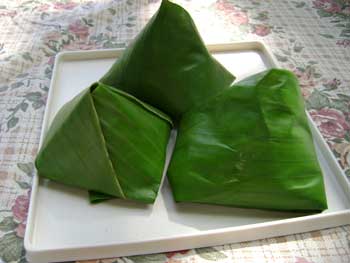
point(311, 38)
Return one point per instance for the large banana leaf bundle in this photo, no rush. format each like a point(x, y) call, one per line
point(168, 65)
point(108, 142)
point(250, 146)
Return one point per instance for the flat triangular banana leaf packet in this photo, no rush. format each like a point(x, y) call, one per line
point(168, 65)
point(107, 141)
point(250, 146)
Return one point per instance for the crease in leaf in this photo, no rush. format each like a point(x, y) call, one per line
point(136, 144)
point(71, 145)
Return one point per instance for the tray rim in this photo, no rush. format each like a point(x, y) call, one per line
point(330, 219)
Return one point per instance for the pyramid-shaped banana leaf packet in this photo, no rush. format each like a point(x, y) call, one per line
point(168, 65)
point(250, 146)
point(108, 142)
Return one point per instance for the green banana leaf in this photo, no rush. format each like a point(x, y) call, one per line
point(168, 65)
point(109, 142)
point(250, 146)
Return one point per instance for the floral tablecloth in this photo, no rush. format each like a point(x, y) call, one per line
point(311, 38)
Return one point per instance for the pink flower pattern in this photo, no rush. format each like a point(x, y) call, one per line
point(234, 15)
point(331, 122)
point(343, 43)
point(64, 6)
point(330, 6)
point(302, 260)
point(20, 208)
point(261, 30)
point(173, 253)
point(339, 13)
point(43, 7)
point(306, 80)
point(4, 13)
point(20, 212)
point(20, 229)
point(79, 29)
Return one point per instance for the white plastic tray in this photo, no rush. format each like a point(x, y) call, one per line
point(63, 226)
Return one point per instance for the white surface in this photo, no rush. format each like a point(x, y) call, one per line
point(62, 225)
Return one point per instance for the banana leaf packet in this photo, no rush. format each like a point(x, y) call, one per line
point(168, 65)
point(108, 142)
point(250, 146)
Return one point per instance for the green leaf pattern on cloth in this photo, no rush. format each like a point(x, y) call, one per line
point(315, 47)
point(10, 247)
point(210, 253)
